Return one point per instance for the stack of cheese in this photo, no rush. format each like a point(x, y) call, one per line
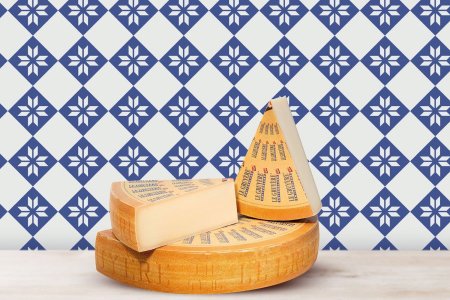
point(185, 236)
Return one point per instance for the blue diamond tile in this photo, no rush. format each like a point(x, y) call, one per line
point(32, 161)
point(433, 60)
point(2, 211)
point(2, 61)
point(384, 211)
point(334, 244)
point(83, 161)
point(234, 60)
point(83, 211)
point(32, 211)
point(433, 111)
point(2, 111)
point(334, 60)
point(336, 211)
point(183, 60)
point(298, 109)
point(384, 14)
point(234, 111)
point(229, 159)
point(433, 211)
point(32, 14)
point(83, 111)
point(82, 244)
point(284, 14)
point(384, 161)
point(2, 11)
point(32, 244)
point(334, 14)
point(334, 111)
point(133, 161)
point(32, 60)
point(133, 60)
point(83, 14)
point(183, 14)
point(133, 111)
point(32, 111)
point(384, 244)
point(234, 14)
point(334, 161)
point(385, 111)
point(384, 60)
point(284, 60)
point(183, 111)
point(83, 61)
point(433, 161)
point(133, 14)
point(434, 245)
point(183, 161)
point(433, 14)
point(2, 161)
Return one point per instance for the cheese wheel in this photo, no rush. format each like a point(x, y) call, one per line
point(275, 181)
point(248, 255)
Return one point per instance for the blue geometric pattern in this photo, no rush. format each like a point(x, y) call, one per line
point(384, 60)
point(334, 14)
point(32, 211)
point(32, 161)
point(385, 111)
point(83, 60)
point(183, 111)
point(334, 111)
point(433, 111)
point(334, 60)
point(133, 111)
point(133, 160)
point(234, 60)
point(83, 111)
point(32, 111)
point(284, 60)
point(89, 87)
point(384, 161)
point(32, 60)
point(234, 111)
point(334, 161)
point(83, 161)
point(385, 211)
point(83, 211)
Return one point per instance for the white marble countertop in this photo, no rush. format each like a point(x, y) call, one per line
point(336, 275)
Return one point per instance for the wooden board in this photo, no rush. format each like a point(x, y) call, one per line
point(268, 185)
point(248, 255)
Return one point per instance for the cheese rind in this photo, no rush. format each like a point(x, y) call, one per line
point(275, 181)
point(149, 214)
point(248, 255)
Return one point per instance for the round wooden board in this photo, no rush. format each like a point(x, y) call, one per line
point(248, 255)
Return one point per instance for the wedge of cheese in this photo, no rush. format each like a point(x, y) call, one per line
point(148, 214)
point(275, 181)
point(248, 255)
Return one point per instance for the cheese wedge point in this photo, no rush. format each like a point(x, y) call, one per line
point(275, 181)
point(151, 213)
point(248, 255)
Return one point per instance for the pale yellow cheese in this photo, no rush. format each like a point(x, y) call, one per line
point(148, 214)
point(275, 181)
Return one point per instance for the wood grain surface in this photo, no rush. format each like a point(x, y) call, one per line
point(347, 275)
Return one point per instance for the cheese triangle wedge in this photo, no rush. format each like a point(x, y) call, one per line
point(275, 181)
point(148, 214)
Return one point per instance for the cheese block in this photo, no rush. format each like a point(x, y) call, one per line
point(248, 255)
point(275, 181)
point(148, 214)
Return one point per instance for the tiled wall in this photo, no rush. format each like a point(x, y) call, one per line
point(95, 91)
